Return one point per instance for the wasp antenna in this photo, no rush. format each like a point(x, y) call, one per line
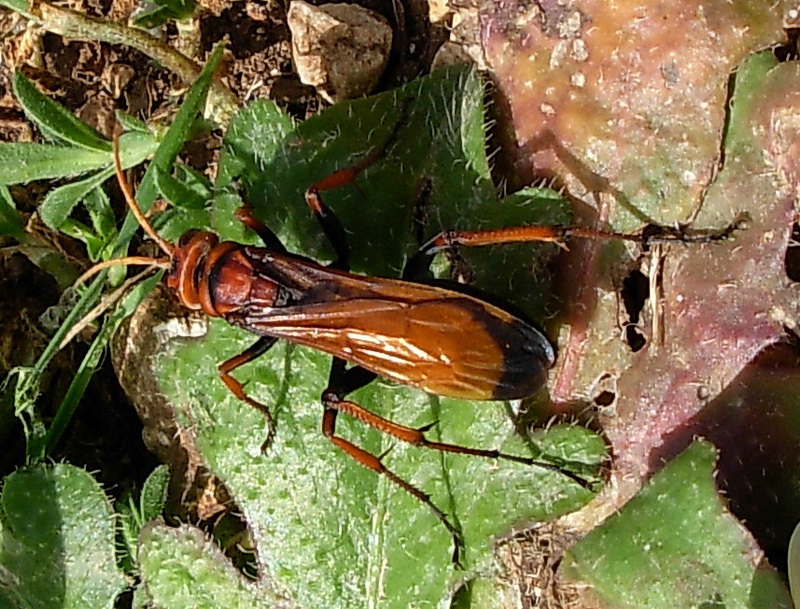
point(166, 247)
point(162, 263)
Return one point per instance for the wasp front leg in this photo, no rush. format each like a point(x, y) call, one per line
point(261, 346)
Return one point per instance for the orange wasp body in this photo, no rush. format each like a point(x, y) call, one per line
point(429, 337)
point(414, 332)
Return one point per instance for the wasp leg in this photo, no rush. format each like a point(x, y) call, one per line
point(374, 463)
point(344, 381)
point(261, 346)
point(416, 437)
point(245, 216)
point(331, 225)
point(419, 263)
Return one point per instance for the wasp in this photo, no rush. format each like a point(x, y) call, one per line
point(412, 331)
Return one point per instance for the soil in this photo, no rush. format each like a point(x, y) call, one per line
point(94, 80)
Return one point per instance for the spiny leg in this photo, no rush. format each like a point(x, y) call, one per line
point(416, 437)
point(418, 264)
point(343, 381)
point(261, 346)
point(374, 463)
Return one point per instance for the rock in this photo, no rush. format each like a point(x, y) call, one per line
point(341, 49)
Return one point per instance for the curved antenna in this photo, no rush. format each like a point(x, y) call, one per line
point(161, 263)
point(130, 199)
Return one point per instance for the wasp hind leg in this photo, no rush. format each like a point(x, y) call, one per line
point(344, 381)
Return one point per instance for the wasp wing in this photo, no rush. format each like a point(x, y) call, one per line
point(433, 338)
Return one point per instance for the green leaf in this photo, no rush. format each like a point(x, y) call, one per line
point(11, 224)
point(55, 120)
point(20, 6)
point(104, 228)
point(187, 190)
point(675, 545)
point(749, 86)
point(328, 531)
point(185, 570)
point(102, 215)
point(153, 17)
point(154, 495)
point(175, 222)
point(163, 11)
point(131, 123)
point(50, 261)
point(261, 129)
point(133, 515)
point(56, 541)
point(23, 162)
point(58, 204)
point(81, 232)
